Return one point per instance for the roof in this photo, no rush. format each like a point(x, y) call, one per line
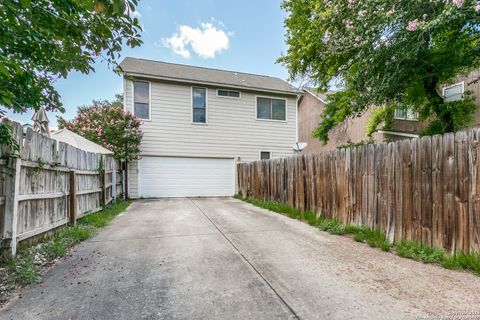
point(193, 74)
point(77, 141)
point(321, 95)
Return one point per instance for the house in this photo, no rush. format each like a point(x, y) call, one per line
point(77, 141)
point(406, 124)
point(198, 123)
point(310, 108)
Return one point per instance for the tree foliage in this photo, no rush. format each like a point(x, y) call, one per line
point(43, 40)
point(106, 124)
point(384, 52)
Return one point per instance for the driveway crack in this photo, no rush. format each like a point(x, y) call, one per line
point(285, 303)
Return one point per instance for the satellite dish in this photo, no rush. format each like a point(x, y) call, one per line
point(299, 146)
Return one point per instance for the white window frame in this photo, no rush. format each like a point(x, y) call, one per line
point(228, 97)
point(260, 154)
point(206, 106)
point(453, 85)
point(407, 118)
point(149, 99)
point(271, 97)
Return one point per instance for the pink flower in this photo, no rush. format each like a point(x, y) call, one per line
point(458, 3)
point(413, 25)
point(477, 8)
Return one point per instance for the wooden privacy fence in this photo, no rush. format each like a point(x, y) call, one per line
point(47, 184)
point(425, 190)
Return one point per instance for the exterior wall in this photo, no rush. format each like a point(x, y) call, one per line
point(351, 130)
point(410, 126)
point(309, 111)
point(232, 130)
point(416, 126)
point(475, 89)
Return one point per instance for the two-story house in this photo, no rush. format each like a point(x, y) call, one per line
point(198, 123)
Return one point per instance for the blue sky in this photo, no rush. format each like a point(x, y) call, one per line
point(189, 32)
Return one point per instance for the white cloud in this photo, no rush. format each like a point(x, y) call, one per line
point(206, 40)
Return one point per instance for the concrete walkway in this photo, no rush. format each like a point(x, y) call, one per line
point(225, 259)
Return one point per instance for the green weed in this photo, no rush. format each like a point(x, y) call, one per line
point(26, 267)
point(415, 251)
point(310, 217)
point(375, 238)
point(333, 226)
point(101, 219)
point(22, 271)
point(470, 261)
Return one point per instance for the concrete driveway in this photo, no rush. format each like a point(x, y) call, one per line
point(225, 259)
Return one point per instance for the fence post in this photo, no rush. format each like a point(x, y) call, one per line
point(11, 204)
point(113, 189)
point(103, 183)
point(73, 197)
point(125, 180)
point(12, 186)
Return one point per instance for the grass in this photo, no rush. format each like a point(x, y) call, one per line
point(375, 238)
point(470, 261)
point(29, 262)
point(415, 251)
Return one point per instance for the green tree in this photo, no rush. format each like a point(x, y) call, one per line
point(384, 53)
point(43, 40)
point(104, 122)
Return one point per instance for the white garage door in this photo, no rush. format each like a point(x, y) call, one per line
point(185, 177)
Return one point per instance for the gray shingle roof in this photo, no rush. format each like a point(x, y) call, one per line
point(322, 95)
point(179, 72)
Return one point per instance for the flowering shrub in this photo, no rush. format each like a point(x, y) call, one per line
point(108, 125)
point(383, 52)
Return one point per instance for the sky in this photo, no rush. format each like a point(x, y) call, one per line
point(245, 36)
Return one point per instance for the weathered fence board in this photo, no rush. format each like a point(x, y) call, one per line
point(425, 190)
point(36, 185)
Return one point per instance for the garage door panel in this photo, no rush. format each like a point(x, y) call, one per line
point(185, 177)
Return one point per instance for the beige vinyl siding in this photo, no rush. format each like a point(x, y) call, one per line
point(231, 131)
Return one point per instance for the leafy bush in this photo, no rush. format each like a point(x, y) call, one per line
point(107, 124)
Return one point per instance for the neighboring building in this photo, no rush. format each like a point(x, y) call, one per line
point(77, 141)
point(310, 108)
point(198, 123)
point(406, 123)
point(405, 126)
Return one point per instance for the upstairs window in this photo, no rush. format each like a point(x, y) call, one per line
point(228, 93)
point(199, 105)
point(453, 92)
point(271, 109)
point(141, 99)
point(403, 113)
point(264, 155)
